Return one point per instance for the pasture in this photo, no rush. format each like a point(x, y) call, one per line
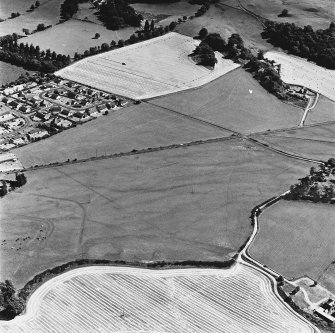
point(318, 14)
point(48, 13)
point(158, 11)
point(306, 147)
point(76, 36)
point(296, 238)
point(9, 73)
point(176, 204)
point(295, 70)
point(124, 299)
point(144, 70)
point(235, 101)
point(226, 21)
point(134, 127)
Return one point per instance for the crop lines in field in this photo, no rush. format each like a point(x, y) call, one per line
point(148, 69)
point(124, 299)
point(295, 70)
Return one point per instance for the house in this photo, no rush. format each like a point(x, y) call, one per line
point(25, 108)
point(101, 108)
point(37, 134)
point(54, 96)
point(14, 104)
point(66, 113)
point(81, 116)
point(55, 109)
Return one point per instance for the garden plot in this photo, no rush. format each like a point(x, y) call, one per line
point(124, 299)
point(152, 68)
point(295, 70)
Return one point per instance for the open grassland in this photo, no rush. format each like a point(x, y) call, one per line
point(295, 70)
point(9, 73)
point(135, 127)
point(76, 36)
point(116, 299)
point(296, 238)
point(235, 101)
point(226, 21)
point(174, 11)
point(152, 68)
point(47, 13)
point(323, 111)
point(177, 204)
point(318, 14)
point(327, 279)
point(309, 148)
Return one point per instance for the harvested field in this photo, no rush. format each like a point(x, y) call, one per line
point(76, 36)
point(142, 207)
point(323, 111)
point(299, 71)
point(226, 21)
point(309, 148)
point(235, 101)
point(318, 14)
point(135, 127)
point(137, 300)
point(151, 68)
point(48, 13)
point(296, 238)
point(157, 11)
point(9, 73)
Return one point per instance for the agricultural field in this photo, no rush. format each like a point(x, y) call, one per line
point(308, 250)
point(48, 13)
point(318, 14)
point(135, 127)
point(235, 101)
point(295, 70)
point(76, 36)
point(9, 73)
point(323, 111)
point(323, 132)
point(142, 207)
point(226, 21)
point(164, 13)
point(120, 299)
point(144, 70)
point(306, 147)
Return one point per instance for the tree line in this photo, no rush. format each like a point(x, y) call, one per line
point(30, 57)
point(317, 46)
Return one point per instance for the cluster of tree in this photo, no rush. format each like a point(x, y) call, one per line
point(69, 7)
point(315, 187)
point(34, 6)
point(140, 36)
point(117, 13)
point(317, 46)
point(20, 180)
point(31, 57)
point(202, 10)
point(263, 70)
point(10, 304)
point(204, 55)
point(13, 15)
point(41, 27)
point(284, 13)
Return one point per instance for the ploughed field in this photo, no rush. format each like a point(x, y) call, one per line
point(295, 70)
point(124, 299)
point(177, 204)
point(152, 68)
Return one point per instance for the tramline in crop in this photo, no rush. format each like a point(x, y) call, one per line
point(119, 299)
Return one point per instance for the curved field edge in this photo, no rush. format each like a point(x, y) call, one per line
point(178, 296)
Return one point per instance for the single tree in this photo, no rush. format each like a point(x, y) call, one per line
point(203, 33)
point(97, 35)
point(152, 25)
point(146, 26)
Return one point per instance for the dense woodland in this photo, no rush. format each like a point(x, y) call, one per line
point(10, 304)
point(317, 46)
point(318, 186)
point(30, 57)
